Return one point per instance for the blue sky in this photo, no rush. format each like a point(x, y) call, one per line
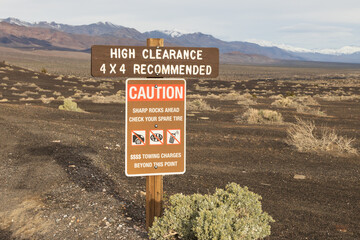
point(313, 24)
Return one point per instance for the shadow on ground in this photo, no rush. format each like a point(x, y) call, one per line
point(5, 235)
point(83, 173)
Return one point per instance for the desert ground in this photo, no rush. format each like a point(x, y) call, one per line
point(62, 172)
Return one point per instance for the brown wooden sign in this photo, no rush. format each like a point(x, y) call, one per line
point(136, 61)
point(155, 127)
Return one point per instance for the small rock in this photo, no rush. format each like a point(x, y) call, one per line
point(142, 193)
point(129, 218)
point(204, 118)
point(341, 228)
point(72, 166)
point(300, 177)
point(55, 141)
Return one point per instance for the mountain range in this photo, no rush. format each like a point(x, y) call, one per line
point(55, 36)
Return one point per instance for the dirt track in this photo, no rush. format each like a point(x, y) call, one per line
point(62, 173)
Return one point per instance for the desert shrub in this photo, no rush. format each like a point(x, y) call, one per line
point(26, 99)
point(69, 105)
point(99, 98)
point(331, 97)
point(234, 213)
point(43, 70)
point(303, 136)
point(55, 93)
point(243, 99)
point(260, 116)
point(285, 103)
point(301, 104)
point(313, 111)
point(106, 85)
point(199, 105)
point(46, 100)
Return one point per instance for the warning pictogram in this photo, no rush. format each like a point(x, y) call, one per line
point(173, 136)
point(138, 137)
point(156, 137)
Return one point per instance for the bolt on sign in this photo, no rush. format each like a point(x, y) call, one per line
point(136, 61)
point(155, 127)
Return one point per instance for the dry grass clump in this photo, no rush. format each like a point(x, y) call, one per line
point(294, 102)
point(208, 89)
point(199, 105)
point(55, 93)
point(302, 135)
point(208, 96)
point(336, 98)
point(246, 99)
point(46, 100)
point(106, 85)
point(243, 99)
point(260, 116)
point(100, 98)
point(301, 104)
point(308, 110)
point(60, 77)
point(26, 221)
point(26, 99)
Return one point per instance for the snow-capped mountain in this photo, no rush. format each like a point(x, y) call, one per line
point(16, 22)
point(81, 37)
point(346, 50)
point(174, 33)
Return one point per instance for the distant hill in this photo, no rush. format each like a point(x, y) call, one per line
point(43, 35)
point(16, 36)
point(236, 57)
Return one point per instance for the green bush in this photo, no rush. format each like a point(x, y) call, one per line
point(232, 214)
point(69, 105)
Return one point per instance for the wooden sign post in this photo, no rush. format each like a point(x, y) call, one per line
point(155, 125)
point(154, 184)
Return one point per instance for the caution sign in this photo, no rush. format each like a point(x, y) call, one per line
point(155, 127)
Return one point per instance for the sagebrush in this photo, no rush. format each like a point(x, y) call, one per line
point(69, 105)
point(199, 105)
point(232, 214)
point(260, 116)
point(305, 138)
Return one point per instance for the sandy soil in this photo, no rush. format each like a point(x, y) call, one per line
point(62, 173)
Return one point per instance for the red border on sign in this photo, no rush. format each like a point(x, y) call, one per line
point(178, 141)
point(136, 145)
point(151, 133)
